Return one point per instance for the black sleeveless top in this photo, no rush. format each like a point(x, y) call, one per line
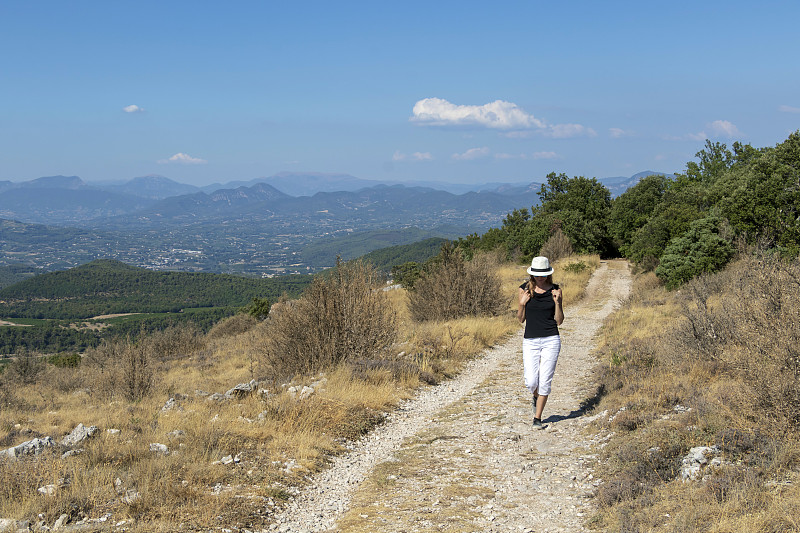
point(540, 313)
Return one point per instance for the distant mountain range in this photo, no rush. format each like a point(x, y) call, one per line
point(68, 200)
point(255, 228)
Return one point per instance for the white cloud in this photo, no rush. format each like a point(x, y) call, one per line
point(472, 153)
point(660, 157)
point(416, 156)
point(133, 109)
point(617, 132)
point(545, 155)
point(496, 115)
point(788, 109)
point(699, 136)
point(565, 131)
point(185, 159)
point(723, 128)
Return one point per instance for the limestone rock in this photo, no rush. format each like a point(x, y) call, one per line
point(78, 435)
point(31, 447)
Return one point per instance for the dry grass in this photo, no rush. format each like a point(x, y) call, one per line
point(724, 348)
point(277, 438)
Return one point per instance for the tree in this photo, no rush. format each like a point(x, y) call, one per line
point(632, 209)
point(582, 207)
point(713, 161)
point(258, 308)
point(761, 196)
point(701, 249)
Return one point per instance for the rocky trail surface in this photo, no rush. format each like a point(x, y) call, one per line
point(464, 457)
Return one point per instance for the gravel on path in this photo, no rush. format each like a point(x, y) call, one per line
point(463, 456)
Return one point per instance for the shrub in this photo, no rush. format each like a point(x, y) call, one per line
point(174, 341)
point(558, 246)
point(407, 274)
point(340, 317)
point(65, 361)
point(235, 325)
point(120, 367)
point(454, 287)
point(576, 267)
point(700, 250)
point(136, 375)
point(26, 368)
point(258, 308)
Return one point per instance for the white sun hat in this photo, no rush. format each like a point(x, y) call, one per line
point(540, 266)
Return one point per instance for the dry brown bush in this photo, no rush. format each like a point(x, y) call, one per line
point(235, 325)
point(120, 367)
point(174, 342)
point(26, 368)
point(341, 317)
point(748, 319)
point(454, 288)
point(726, 347)
point(558, 246)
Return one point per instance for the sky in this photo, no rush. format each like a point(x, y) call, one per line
point(464, 92)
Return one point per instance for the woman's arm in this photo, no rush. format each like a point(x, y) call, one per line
point(524, 296)
point(559, 315)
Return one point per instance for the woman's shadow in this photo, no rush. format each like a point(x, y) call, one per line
point(586, 406)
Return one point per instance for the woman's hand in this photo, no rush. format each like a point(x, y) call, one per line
point(559, 314)
point(557, 296)
point(524, 296)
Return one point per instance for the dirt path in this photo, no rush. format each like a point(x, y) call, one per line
point(463, 456)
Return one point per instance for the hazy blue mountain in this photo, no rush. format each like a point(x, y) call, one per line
point(302, 183)
point(55, 182)
point(189, 208)
point(310, 183)
point(152, 186)
point(64, 201)
point(619, 185)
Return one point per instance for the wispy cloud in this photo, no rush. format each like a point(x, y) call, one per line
point(616, 133)
point(535, 155)
point(716, 129)
point(133, 109)
point(495, 115)
point(472, 153)
point(699, 136)
point(723, 128)
point(416, 156)
point(185, 159)
point(566, 131)
point(788, 109)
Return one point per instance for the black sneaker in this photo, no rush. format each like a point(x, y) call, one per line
point(537, 423)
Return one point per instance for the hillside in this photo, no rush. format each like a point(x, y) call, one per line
point(106, 287)
point(384, 248)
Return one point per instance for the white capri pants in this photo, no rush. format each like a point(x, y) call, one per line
point(539, 358)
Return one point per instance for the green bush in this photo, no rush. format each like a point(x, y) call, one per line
point(407, 274)
point(65, 361)
point(576, 267)
point(700, 250)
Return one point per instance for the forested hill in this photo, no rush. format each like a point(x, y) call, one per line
point(106, 286)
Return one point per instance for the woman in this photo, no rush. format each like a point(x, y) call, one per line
point(541, 311)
